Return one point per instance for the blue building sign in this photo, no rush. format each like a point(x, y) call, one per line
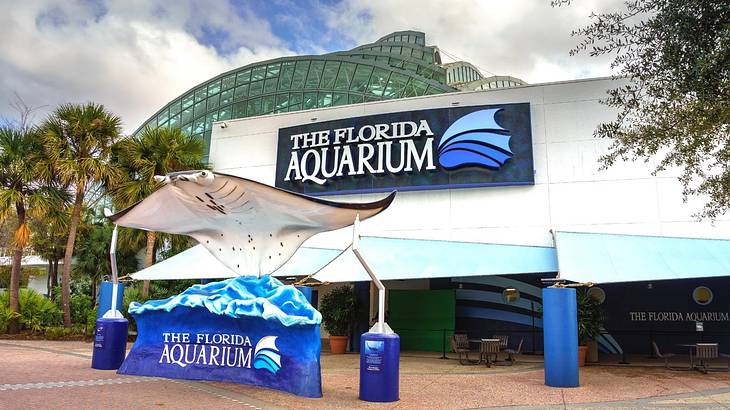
point(488, 145)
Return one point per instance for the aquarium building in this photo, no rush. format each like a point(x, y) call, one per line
point(499, 186)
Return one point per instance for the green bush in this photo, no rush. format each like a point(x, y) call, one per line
point(57, 332)
point(37, 312)
point(590, 317)
point(80, 307)
point(338, 310)
point(6, 315)
point(64, 333)
point(132, 293)
point(91, 321)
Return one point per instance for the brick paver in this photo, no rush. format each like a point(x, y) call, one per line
point(57, 375)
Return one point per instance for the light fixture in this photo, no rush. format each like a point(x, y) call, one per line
point(313, 119)
point(511, 295)
point(455, 103)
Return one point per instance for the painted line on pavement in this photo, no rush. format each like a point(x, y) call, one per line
point(72, 383)
point(46, 349)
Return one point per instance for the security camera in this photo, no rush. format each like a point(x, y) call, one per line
point(224, 125)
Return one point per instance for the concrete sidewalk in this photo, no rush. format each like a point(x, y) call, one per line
point(57, 375)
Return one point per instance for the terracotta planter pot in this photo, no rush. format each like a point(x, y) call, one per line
point(592, 356)
point(338, 344)
point(582, 352)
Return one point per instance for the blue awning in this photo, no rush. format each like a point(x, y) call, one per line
point(607, 258)
point(395, 258)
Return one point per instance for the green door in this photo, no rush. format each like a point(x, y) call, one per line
point(422, 318)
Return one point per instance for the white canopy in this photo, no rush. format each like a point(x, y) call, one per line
point(610, 258)
point(396, 258)
point(198, 263)
point(252, 228)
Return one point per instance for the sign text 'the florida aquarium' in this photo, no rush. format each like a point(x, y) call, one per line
point(412, 150)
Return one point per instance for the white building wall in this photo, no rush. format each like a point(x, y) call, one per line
point(570, 192)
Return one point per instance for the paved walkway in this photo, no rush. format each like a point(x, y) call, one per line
point(57, 375)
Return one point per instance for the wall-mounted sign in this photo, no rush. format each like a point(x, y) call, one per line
point(413, 150)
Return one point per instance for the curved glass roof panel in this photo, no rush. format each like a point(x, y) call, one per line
point(404, 67)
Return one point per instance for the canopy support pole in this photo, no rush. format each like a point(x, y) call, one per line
point(380, 326)
point(113, 311)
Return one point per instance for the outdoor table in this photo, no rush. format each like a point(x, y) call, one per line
point(483, 356)
point(480, 342)
point(701, 366)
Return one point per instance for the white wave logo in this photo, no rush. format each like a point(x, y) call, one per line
point(266, 355)
point(475, 140)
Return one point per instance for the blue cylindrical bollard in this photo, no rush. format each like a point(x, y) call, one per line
point(307, 291)
point(105, 298)
point(110, 343)
point(560, 326)
point(379, 362)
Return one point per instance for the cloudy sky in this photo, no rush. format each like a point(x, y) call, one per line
point(134, 56)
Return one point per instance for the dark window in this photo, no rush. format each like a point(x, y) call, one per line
point(258, 73)
point(287, 72)
point(361, 78)
point(214, 87)
point(256, 88)
point(330, 74)
point(300, 74)
point(315, 74)
point(272, 70)
point(243, 77)
point(344, 77)
point(310, 101)
point(241, 92)
point(224, 113)
point(270, 85)
point(229, 82)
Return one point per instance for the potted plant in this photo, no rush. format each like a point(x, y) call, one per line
point(590, 320)
point(338, 313)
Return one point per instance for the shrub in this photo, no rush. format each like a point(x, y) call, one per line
point(131, 294)
point(37, 312)
point(63, 333)
point(80, 307)
point(590, 317)
point(91, 321)
point(6, 315)
point(338, 310)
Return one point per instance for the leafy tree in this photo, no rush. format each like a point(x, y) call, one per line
point(79, 140)
point(156, 151)
point(49, 242)
point(24, 193)
point(675, 101)
point(92, 262)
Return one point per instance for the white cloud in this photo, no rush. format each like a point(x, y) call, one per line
point(134, 59)
point(135, 56)
point(518, 38)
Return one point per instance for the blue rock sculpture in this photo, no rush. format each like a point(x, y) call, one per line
point(242, 330)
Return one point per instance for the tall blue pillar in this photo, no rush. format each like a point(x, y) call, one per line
point(105, 298)
point(560, 326)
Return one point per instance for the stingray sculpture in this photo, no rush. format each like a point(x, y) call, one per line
point(252, 228)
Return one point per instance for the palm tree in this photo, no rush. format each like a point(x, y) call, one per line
point(78, 139)
point(24, 191)
point(156, 151)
